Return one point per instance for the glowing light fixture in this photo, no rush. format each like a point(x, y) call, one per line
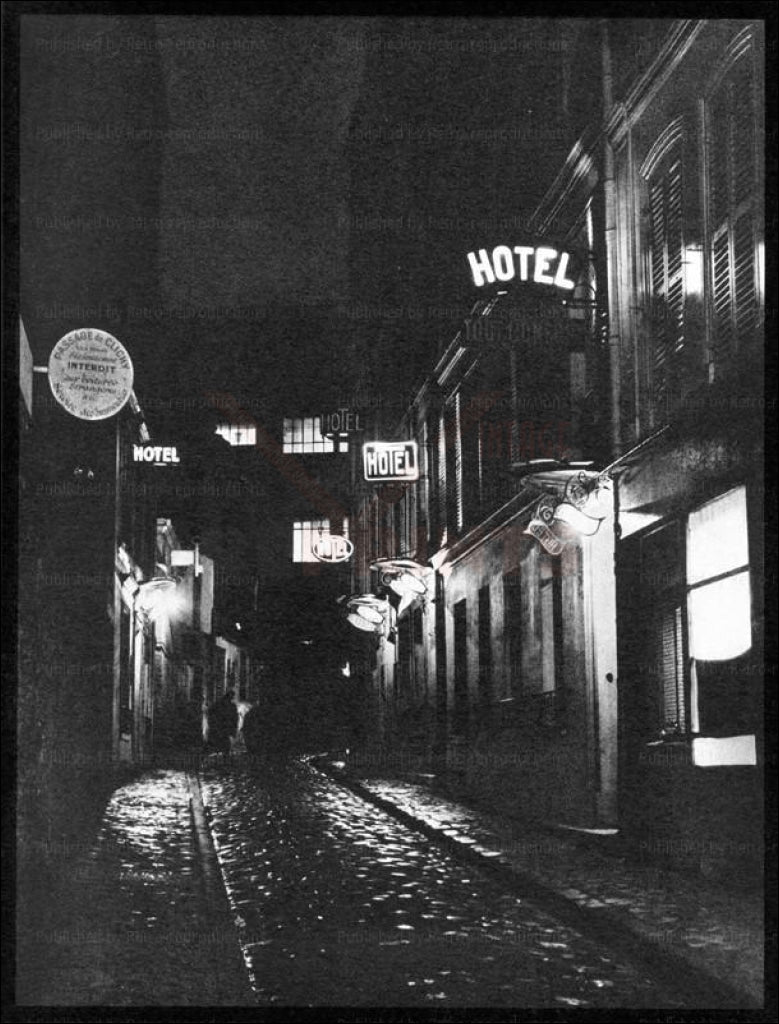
point(404, 583)
point(154, 595)
point(360, 623)
point(366, 611)
point(572, 516)
point(369, 613)
point(402, 575)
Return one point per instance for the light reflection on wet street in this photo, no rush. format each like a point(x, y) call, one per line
point(132, 924)
point(338, 903)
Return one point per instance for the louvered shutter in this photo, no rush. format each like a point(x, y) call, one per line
point(458, 463)
point(660, 604)
point(669, 665)
point(731, 203)
point(442, 495)
point(667, 278)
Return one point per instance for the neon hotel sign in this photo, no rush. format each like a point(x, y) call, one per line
point(540, 264)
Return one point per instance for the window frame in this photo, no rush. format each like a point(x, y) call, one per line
point(301, 435)
point(742, 55)
point(657, 376)
point(302, 528)
point(676, 595)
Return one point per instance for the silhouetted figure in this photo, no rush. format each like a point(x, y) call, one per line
point(222, 723)
point(252, 732)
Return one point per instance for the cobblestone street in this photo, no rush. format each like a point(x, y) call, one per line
point(331, 900)
point(338, 903)
point(135, 925)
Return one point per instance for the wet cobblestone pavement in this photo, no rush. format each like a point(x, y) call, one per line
point(716, 931)
point(338, 903)
point(133, 925)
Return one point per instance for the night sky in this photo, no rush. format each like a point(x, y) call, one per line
point(270, 207)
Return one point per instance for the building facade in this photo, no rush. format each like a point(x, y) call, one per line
point(688, 308)
point(588, 646)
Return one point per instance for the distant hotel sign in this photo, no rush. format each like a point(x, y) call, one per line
point(155, 453)
point(332, 548)
point(538, 264)
point(390, 460)
point(339, 421)
point(90, 374)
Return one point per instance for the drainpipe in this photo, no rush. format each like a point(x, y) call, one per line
point(117, 601)
point(610, 223)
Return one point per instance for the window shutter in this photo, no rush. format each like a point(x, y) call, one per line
point(744, 275)
point(670, 669)
point(442, 449)
point(667, 277)
point(457, 475)
point(732, 189)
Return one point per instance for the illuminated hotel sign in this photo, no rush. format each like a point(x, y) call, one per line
point(90, 374)
point(390, 460)
point(332, 548)
point(540, 265)
point(154, 453)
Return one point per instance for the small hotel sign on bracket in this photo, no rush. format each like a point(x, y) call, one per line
point(390, 460)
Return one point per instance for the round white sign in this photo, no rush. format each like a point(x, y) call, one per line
point(90, 374)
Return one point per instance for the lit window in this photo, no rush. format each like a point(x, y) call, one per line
point(303, 436)
point(306, 533)
point(237, 434)
point(719, 611)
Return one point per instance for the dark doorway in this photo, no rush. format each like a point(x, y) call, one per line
point(460, 722)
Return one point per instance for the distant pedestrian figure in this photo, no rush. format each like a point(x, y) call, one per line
point(252, 724)
point(222, 723)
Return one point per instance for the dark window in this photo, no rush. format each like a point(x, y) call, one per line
point(404, 669)
point(125, 682)
point(551, 633)
point(417, 620)
point(512, 632)
point(470, 456)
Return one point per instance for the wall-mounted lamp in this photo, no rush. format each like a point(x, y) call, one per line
point(154, 594)
point(366, 612)
point(360, 623)
point(402, 575)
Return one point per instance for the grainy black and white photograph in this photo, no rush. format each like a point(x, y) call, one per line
point(390, 530)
